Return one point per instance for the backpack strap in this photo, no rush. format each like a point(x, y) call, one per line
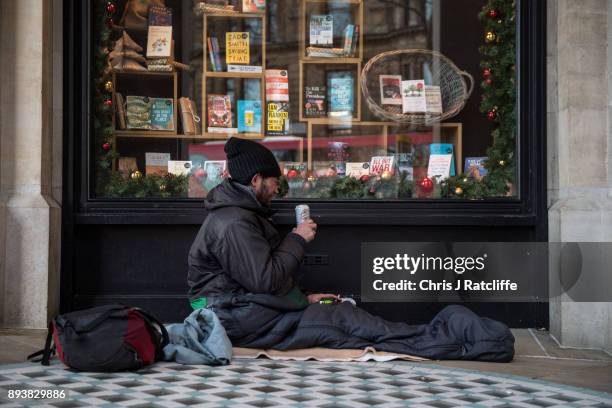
point(47, 352)
point(165, 338)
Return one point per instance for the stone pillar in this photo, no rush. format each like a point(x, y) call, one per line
point(580, 151)
point(30, 161)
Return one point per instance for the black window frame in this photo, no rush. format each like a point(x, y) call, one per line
point(528, 209)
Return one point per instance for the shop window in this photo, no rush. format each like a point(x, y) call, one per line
point(358, 99)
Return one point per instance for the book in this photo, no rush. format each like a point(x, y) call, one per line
point(380, 164)
point(278, 119)
point(190, 120)
point(474, 167)
point(413, 96)
point(390, 89)
point(444, 148)
point(253, 6)
point(324, 169)
point(219, 111)
point(338, 155)
point(340, 88)
point(355, 42)
point(405, 164)
point(127, 165)
point(138, 112)
point(349, 31)
point(244, 68)
point(322, 30)
point(439, 165)
point(159, 41)
point(214, 173)
point(159, 16)
point(315, 101)
point(277, 85)
point(249, 116)
point(156, 163)
point(162, 114)
point(230, 130)
point(120, 113)
point(433, 96)
point(357, 169)
point(179, 167)
point(212, 55)
point(320, 52)
point(237, 49)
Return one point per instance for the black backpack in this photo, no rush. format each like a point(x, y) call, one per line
point(106, 338)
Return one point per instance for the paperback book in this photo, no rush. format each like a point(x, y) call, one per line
point(413, 97)
point(444, 148)
point(278, 123)
point(341, 94)
point(474, 167)
point(322, 30)
point(277, 85)
point(434, 99)
point(380, 164)
point(315, 105)
point(159, 16)
point(249, 116)
point(391, 89)
point(138, 112)
point(159, 41)
point(179, 167)
point(237, 49)
point(162, 114)
point(357, 169)
point(157, 163)
point(219, 111)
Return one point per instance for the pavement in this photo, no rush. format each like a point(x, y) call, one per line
point(542, 374)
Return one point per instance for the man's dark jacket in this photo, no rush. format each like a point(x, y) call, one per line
point(247, 275)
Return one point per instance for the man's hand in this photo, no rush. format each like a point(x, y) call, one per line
point(314, 298)
point(306, 230)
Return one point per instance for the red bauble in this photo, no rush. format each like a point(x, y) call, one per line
point(106, 146)
point(493, 13)
point(364, 178)
point(492, 115)
point(489, 81)
point(426, 185)
point(486, 73)
point(108, 102)
point(111, 8)
point(200, 173)
point(292, 174)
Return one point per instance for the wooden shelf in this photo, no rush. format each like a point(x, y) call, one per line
point(145, 133)
point(222, 74)
point(236, 15)
point(224, 136)
point(331, 60)
point(146, 73)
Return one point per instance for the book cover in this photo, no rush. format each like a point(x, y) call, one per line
point(439, 165)
point(322, 30)
point(390, 89)
point(159, 41)
point(340, 87)
point(127, 165)
point(211, 55)
point(219, 111)
point(160, 16)
point(355, 42)
point(433, 96)
point(162, 114)
point(338, 154)
point(249, 116)
point(156, 163)
point(315, 105)
point(357, 169)
point(405, 164)
point(413, 96)
point(277, 85)
point(349, 31)
point(237, 49)
point(474, 167)
point(324, 169)
point(254, 69)
point(278, 119)
point(380, 164)
point(444, 148)
point(138, 112)
point(253, 6)
point(214, 173)
point(217, 53)
point(179, 167)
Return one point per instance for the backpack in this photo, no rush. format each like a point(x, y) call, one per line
point(106, 338)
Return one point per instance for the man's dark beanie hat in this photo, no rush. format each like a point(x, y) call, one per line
point(246, 158)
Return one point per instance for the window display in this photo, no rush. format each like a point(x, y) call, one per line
point(378, 108)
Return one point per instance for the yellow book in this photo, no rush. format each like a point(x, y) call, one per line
point(237, 48)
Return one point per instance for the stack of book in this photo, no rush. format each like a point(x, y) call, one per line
point(349, 48)
point(213, 6)
point(213, 54)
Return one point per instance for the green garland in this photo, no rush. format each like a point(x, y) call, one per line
point(111, 183)
point(498, 102)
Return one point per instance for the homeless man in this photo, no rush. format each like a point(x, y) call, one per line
point(245, 272)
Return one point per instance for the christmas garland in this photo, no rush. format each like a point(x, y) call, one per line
point(111, 183)
point(499, 104)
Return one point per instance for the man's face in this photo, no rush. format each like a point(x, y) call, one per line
point(265, 188)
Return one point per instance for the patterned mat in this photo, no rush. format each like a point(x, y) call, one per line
point(265, 383)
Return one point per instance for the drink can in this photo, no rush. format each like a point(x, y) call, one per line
point(302, 213)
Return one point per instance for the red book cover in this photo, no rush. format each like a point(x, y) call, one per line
point(219, 111)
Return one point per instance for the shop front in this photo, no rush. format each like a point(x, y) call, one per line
point(395, 121)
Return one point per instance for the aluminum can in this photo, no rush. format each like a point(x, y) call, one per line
point(302, 213)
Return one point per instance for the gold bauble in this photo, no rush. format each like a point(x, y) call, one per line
point(109, 86)
point(458, 191)
point(312, 178)
point(386, 175)
point(465, 180)
point(162, 187)
point(490, 37)
point(502, 163)
point(136, 175)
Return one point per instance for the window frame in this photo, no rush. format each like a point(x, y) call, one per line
point(528, 209)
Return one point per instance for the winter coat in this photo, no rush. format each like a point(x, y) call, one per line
point(238, 250)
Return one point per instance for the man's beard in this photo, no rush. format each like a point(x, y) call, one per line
point(260, 194)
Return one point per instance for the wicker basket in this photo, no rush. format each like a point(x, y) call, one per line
point(455, 85)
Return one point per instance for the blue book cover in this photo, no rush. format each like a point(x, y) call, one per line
point(162, 113)
point(444, 148)
point(249, 116)
point(340, 87)
point(475, 165)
